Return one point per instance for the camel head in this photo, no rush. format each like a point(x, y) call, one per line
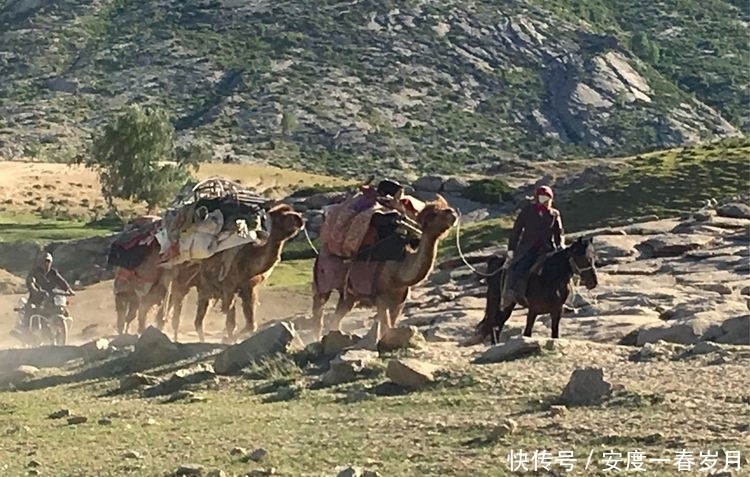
point(437, 217)
point(285, 221)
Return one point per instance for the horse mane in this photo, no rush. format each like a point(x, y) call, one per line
point(557, 267)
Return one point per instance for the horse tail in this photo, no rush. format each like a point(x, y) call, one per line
point(492, 295)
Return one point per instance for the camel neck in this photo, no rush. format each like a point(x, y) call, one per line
point(418, 264)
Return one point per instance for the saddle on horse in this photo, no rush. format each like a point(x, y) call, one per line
point(515, 279)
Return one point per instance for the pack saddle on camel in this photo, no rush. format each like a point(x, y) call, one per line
point(237, 271)
point(205, 220)
point(376, 245)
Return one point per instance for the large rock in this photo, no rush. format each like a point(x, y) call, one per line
point(586, 387)
point(735, 211)
point(514, 348)
point(428, 184)
point(335, 342)
point(18, 375)
point(401, 337)
point(40, 357)
point(673, 245)
point(689, 331)
point(615, 248)
point(455, 184)
point(411, 373)
point(277, 338)
point(349, 366)
point(152, 349)
point(736, 330)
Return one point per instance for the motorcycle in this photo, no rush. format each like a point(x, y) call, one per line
point(47, 323)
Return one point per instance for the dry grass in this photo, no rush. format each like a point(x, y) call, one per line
point(71, 193)
point(442, 431)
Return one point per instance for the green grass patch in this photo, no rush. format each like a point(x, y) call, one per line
point(292, 274)
point(664, 184)
point(30, 228)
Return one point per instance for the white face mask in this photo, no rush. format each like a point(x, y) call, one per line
point(543, 199)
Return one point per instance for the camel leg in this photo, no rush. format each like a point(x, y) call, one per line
point(133, 305)
point(383, 317)
point(122, 307)
point(530, 319)
point(249, 297)
point(200, 314)
point(176, 311)
point(556, 315)
point(319, 301)
point(143, 310)
point(231, 323)
point(343, 306)
point(394, 312)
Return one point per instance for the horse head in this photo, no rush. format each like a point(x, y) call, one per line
point(582, 258)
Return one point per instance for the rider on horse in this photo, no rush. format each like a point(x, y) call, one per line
point(537, 231)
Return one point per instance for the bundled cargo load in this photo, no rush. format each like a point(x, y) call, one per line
point(373, 224)
point(218, 215)
point(206, 218)
point(134, 244)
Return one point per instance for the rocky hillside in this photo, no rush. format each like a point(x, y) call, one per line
point(406, 85)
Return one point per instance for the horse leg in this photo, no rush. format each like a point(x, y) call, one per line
point(319, 301)
point(556, 315)
point(530, 319)
point(500, 318)
point(200, 314)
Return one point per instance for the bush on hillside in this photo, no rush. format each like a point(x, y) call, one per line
point(488, 191)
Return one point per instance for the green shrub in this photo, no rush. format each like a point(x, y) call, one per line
point(488, 191)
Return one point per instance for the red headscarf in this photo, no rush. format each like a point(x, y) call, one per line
point(543, 190)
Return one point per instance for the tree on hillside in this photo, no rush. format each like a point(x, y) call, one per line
point(644, 48)
point(130, 155)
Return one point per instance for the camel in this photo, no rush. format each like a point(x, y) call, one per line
point(135, 296)
point(138, 291)
point(392, 279)
point(235, 271)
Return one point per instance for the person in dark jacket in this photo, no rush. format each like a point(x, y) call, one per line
point(537, 231)
point(42, 279)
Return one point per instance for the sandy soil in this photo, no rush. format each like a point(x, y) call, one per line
point(93, 311)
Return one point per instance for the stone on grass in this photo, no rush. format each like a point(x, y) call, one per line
point(514, 348)
point(277, 338)
point(411, 373)
point(586, 387)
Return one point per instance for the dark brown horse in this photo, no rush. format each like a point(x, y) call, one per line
point(547, 290)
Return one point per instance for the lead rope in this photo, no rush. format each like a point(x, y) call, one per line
point(461, 253)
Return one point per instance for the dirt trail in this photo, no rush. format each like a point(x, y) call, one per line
point(94, 308)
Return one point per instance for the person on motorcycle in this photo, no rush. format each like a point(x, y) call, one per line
point(42, 280)
point(537, 231)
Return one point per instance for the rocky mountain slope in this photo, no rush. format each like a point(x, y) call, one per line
point(414, 86)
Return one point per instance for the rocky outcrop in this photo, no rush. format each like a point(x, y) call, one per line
point(530, 82)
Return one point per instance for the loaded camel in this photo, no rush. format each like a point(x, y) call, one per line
point(235, 271)
point(137, 291)
point(391, 281)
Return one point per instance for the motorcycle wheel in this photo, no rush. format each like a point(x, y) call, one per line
point(59, 331)
point(35, 334)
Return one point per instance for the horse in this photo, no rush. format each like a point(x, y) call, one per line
point(547, 289)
